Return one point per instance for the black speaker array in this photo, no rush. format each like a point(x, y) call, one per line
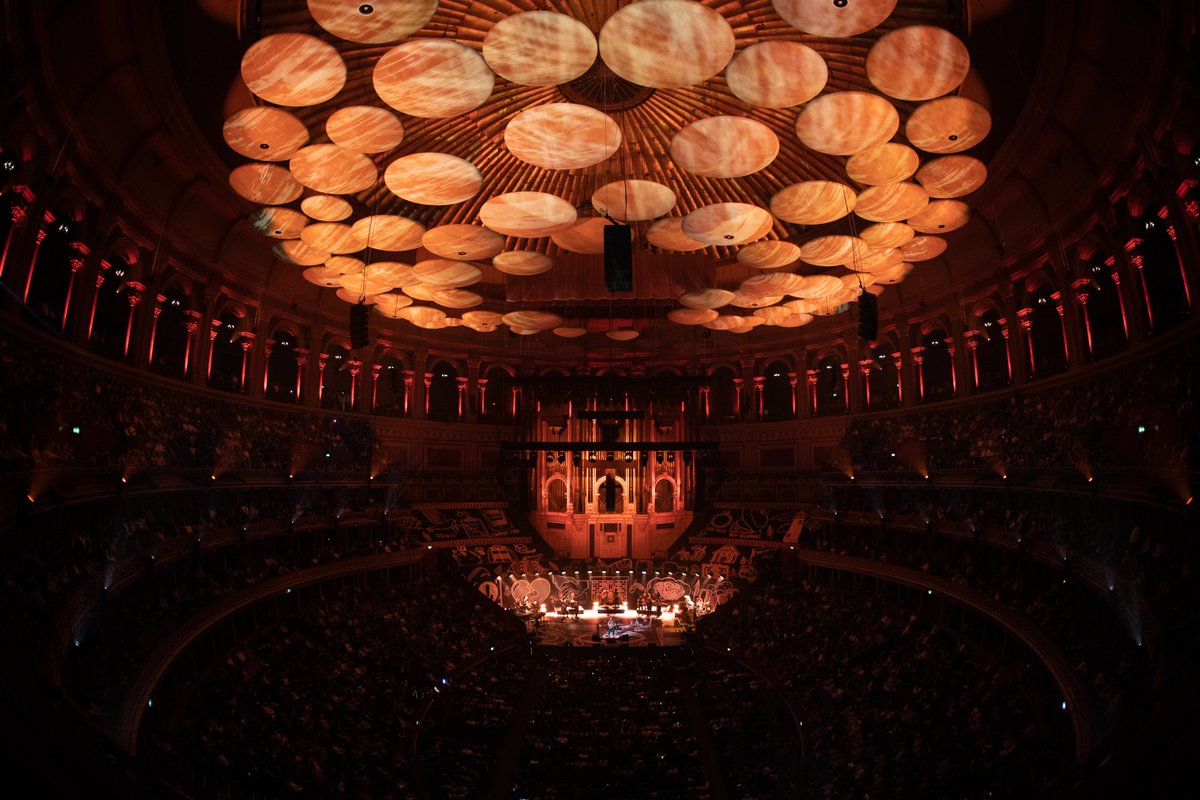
point(360, 325)
point(868, 316)
point(618, 258)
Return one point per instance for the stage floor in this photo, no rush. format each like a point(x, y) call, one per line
point(626, 630)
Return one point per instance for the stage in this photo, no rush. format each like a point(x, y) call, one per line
point(592, 628)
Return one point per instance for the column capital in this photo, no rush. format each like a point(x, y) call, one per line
point(1024, 315)
point(301, 356)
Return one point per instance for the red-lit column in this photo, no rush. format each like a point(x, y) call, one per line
point(707, 402)
point(482, 383)
point(247, 345)
point(738, 383)
point(266, 366)
point(1138, 263)
point(375, 368)
point(792, 382)
point(355, 369)
point(193, 327)
point(918, 356)
point(78, 258)
point(812, 392)
point(898, 364)
point(1080, 288)
point(322, 360)
point(462, 396)
point(1003, 322)
point(20, 213)
point(953, 366)
point(37, 245)
point(158, 301)
point(759, 385)
point(213, 328)
point(972, 338)
point(1116, 278)
point(846, 386)
point(428, 383)
point(1183, 274)
point(864, 369)
point(1062, 324)
point(134, 294)
point(1025, 316)
point(408, 389)
point(95, 299)
point(301, 362)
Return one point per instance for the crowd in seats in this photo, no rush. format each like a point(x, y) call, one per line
point(610, 725)
point(895, 704)
point(323, 703)
point(1092, 631)
point(60, 411)
point(753, 730)
point(472, 717)
point(1146, 416)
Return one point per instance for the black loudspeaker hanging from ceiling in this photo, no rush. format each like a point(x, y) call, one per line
point(868, 316)
point(618, 258)
point(360, 325)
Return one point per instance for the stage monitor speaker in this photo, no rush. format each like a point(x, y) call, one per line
point(618, 258)
point(360, 325)
point(868, 316)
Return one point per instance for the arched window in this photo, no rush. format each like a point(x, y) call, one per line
point(52, 272)
point(937, 368)
point(610, 496)
point(111, 319)
point(170, 336)
point(722, 396)
point(664, 496)
point(1104, 323)
point(831, 386)
point(282, 369)
point(390, 391)
point(882, 380)
point(498, 398)
point(1046, 334)
point(1159, 264)
point(991, 354)
point(338, 380)
point(556, 496)
point(443, 392)
point(777, 392)
point(225, 361)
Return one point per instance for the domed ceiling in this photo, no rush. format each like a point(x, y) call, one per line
point(456, 164)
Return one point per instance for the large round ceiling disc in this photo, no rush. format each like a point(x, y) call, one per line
point(326, 207)
point(918, 62)
point(666, 43)
point(941, 216)
point(585, 236)
point(445, 273)
point(372, 22)
point(891, 202)
point(768, 255)
point(523, 262)
point(562, 136)
point(832, 251)
point(264, 133)
point(948, 125)
point(888, 163)
point(667, 234)
point(923, 248)
point(329, 169)
point(622, 334)
point(539, 48)
point(278, 223)
point(813, 202)
point(633, 200)
point(777, 74)
point(390, 304)
point(772, 284)
point(481, 317)
point(364, 129)
point(268, 184)
point(828, 18)
point(320, 276)
point(845, 123)
point(423, 316)
point(532, 320)
point(333, 237)
point(692, 316)
point(887, 234)
point(569, 331)
point(745, 299)
point(293, 69)
point(433, 179)
point(297, 252)
point(892, 275)
point(462, 242)
point(527, 214)
point(816, 287)
point(724, 147)
point(456, 298)
point(878, 258)
point(355, 297)
point(388, 232)
point(952, 176)
point(420, 291)
point(727, 223)
point(706, 298)
point(775, 315)
point(345, 265)
point(727, 322)
point(434, 78)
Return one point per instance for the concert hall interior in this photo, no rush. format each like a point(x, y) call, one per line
point(726, 399)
